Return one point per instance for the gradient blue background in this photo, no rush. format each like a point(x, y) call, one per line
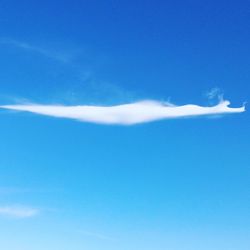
point(169, 185)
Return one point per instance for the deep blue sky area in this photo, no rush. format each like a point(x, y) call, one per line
point(168, 185)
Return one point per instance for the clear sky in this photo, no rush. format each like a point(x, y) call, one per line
point(178, 184)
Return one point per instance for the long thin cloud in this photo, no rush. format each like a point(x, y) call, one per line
point(126, 114)
point(18, 211)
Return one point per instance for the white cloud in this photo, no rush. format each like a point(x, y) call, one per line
point(126, 114)
point(18, 211)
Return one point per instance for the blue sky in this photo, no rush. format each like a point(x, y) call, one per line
point(177, 184)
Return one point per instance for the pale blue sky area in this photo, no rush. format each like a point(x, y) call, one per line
point(178, 184)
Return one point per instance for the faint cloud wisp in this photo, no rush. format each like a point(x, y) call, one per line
point(215, 93)
point(18, 211)
point(96, 235)
point(62, 57)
